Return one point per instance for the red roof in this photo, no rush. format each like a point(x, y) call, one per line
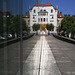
point(47, 4)
point(27, 16)
point(55, 8)
point(31, 8)
point(60, 15)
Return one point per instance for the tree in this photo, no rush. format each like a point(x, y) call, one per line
point(15, 25)
point(11, 24)
point(59, 28)
point(68, 24)
point(50, 27)
point(36, 27)
point(5, 22)
point(1, 24)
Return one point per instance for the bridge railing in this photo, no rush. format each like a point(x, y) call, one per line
point(64, 39)
point(8, 42)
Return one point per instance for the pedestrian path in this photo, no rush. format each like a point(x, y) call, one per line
point(41, 60)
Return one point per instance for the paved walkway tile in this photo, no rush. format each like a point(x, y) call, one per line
point(64, 54)
point(41, 60)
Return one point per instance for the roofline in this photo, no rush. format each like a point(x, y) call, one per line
point(43, 5)
point(61, 16)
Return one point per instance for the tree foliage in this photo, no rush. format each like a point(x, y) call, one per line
point(68, 24)
point(36, 27)
point(50, 27)
point(1, 24)
point(12, 24)
point(59, 28)
point(15, 25)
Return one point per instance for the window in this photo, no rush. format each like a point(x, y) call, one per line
point(44, 10)
point(44, 14)
point(52, 17)
point(34, 21)
point(47, 19)
point(41, 19)
point(34, 11)
point(33, 17)
point(51, 21)
point(44, 19)
point(51, 10)
point(38, 19)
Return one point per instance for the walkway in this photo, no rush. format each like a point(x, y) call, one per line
point(42, 55)
point(41, 60)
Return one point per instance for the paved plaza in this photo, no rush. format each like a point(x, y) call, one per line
point(42, 55)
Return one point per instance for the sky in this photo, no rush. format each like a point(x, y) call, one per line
point(66, 6)
point(10, 5)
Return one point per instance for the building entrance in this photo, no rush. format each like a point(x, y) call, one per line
point(42, 27)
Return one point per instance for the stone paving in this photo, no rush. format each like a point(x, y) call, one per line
point(41, 60)
point(42, 55)
point(64, 54)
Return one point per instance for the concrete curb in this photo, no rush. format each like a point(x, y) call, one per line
point(6, 43)
point(65, 39)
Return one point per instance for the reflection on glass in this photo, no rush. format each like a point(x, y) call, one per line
point(9, 30)
point(10, 34)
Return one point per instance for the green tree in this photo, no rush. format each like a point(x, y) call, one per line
point(50, 27)
point(68, 24)
point(15, 25)
point(1, 24)
point(9, 21)
point(36, 27)
point(59, 28)
point(5, 22)
point(12, 24)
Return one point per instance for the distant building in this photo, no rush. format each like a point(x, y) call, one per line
point(27, 19)
point(44, 14)
point(5, 14)
point(59, 19)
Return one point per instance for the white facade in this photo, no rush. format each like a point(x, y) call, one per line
point(43, 15)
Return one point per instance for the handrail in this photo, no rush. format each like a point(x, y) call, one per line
point(64, 39)
point(8, 42)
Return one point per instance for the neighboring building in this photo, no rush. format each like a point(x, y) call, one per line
point(5, 14)
point(27, 19)
point(8, 14)
point(44, 14)
point(60, 17)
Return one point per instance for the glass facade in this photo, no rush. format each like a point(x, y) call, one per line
point(9, 33)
